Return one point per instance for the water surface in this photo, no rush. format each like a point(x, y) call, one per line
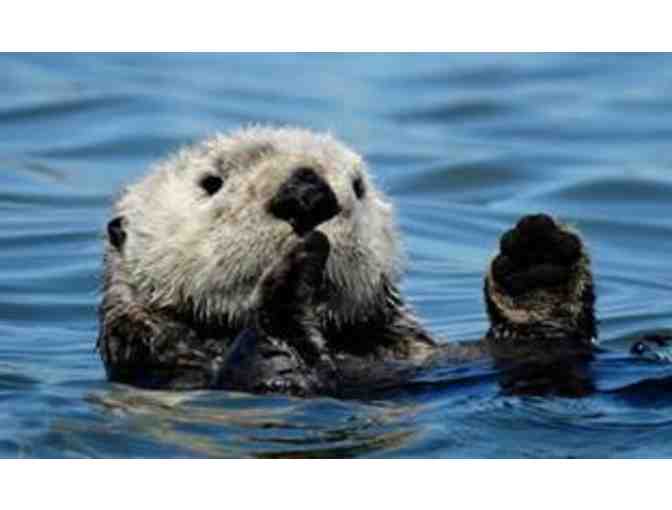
point(464, 144)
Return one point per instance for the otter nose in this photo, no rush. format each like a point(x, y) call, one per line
point(304, 200)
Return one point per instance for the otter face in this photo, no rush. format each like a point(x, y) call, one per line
point(200, 229)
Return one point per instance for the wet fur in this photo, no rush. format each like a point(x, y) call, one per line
point(193, 252)
point(211, 292)
point(182, 268)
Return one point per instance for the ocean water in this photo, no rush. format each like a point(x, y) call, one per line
point(464, 144)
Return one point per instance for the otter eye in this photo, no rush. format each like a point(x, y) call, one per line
point(211, 184)
point(358, 188)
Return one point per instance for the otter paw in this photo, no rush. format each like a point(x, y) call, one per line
point(536, 253)
point(261, 364)
point(287, 290)
point(127, 339)
point(653, 347)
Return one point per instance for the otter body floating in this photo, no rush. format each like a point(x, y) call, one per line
point(268, 261)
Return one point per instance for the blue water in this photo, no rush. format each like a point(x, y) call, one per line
point(465, 144)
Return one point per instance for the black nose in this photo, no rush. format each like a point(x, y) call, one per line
point(304, 200)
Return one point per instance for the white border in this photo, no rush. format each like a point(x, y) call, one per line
point(329, 484)
point(346, 25)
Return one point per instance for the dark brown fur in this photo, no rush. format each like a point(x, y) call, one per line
point(289, 350)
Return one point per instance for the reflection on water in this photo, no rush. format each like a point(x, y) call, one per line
point(464, 144)
point(239, 425)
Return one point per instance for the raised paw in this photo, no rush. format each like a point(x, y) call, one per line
point(283, 350)
point(287, 293)
point(536, 253)
point(540, 285)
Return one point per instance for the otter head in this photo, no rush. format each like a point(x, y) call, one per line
point(197, 233)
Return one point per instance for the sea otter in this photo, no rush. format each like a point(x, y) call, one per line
point(267, 260)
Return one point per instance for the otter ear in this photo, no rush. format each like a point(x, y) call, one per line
point(116, 232)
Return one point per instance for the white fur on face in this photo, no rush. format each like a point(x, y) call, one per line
point(185, 248)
